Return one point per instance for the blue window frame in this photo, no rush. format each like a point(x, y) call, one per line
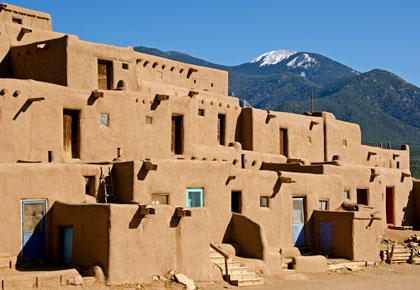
point(194, 197)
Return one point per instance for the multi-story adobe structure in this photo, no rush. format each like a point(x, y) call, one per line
point(137, 164)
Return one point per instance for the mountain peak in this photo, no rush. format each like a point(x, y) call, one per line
point(273, 57)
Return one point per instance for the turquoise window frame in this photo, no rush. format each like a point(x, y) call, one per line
point(189, 191)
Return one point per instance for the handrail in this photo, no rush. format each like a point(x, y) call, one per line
point(226, 256)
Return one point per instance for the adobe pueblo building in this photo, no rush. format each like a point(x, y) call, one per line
point(141, 165)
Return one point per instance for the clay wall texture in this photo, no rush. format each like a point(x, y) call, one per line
point(58, 92)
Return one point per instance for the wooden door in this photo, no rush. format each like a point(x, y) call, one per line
point(71, 138)
point(326, 238)
point(67, 133)
point(299, 221)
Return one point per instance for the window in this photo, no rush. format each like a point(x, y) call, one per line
point(264, 201)
point(125, 66)
point(221, 124)
point(201, 112)
point(104, 120)
point(346, 194)
point(323, 204)
point(176, 135)
point(362, 196)
point(345, 143)
point(283, 141)
point(160, 198)
point(149, 120)
point(90, 185)
point(104, 75)
point(17, 20)
point(195, 197)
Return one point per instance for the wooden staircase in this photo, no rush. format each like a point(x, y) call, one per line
point(233, 271)
point(398, 254)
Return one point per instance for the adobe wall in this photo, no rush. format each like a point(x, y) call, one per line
point(39, 125)
point(356, 236)
point(50, 182)
point(360, 177)
point(28, 17)
point(156, 244)
point(260, 133)
point(91, 243)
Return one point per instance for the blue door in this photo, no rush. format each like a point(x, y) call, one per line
point(194, 197)
point(298, 221)
point(67, 246)
point(326, 238)
point(33, 229)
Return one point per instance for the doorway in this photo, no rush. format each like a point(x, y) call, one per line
point(236, 201)
point(362, 196)
point(221, 125)
point(33, 229)
point(176, 134)
point(66, 237)
point(390, 206)
point(71, 136)
point(298, 218)
point(326, 238)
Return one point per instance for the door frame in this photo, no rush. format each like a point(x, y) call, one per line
point(304, 198)
point(22, 222)
point(393, 205)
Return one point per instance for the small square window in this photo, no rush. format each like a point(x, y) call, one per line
point(104, 120)
point(201, 112)
point(149, 120)
point(160, 198)
point(195, 197)
point(323, 204)
point(264, 201)
point(125, 65)
point(346, 194)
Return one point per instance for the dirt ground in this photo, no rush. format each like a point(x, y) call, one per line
point(384, 277)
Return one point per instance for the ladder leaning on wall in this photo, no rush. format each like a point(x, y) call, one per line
point(107, 181)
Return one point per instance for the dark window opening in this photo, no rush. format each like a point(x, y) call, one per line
point(125, 65)
point(283, 142)
point(17, 20)
point(398, 164)
point(71, 135)
point(236, 202)
point(176, 135)
point(90, 185)
point(389, 205)
point(201, 112)
point(221, 120)
point(149, 120)
point(104, 75)
point(362, 196)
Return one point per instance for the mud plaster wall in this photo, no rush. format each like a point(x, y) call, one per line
point(355, 177)
point(158, 243)
point(90, 223)
point(50, 182)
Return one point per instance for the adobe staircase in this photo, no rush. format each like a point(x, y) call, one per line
point(237, 274)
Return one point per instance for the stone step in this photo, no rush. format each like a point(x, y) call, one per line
point(235, 270)
point(231, 264)
point(215, 255)
point(220, 260)
point(242, 276)
point(248, 282)
point(89, 280)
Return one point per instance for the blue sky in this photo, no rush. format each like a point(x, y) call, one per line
point(361, 34)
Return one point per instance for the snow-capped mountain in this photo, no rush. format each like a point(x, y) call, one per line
point(302, 61)
point(273, 57)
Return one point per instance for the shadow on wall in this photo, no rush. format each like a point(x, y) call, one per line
point(6, 67)
point(34, 235)
point(246, 236)
point(409, 218)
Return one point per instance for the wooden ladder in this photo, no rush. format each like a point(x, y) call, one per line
point(108, 186)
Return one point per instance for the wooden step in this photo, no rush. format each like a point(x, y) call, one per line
point(248, 282)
